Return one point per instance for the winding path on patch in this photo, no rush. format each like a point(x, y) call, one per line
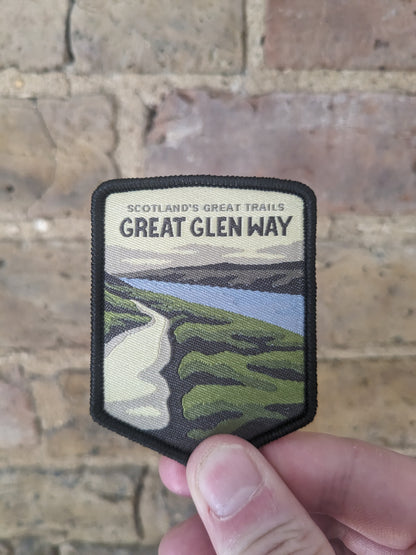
point(134, 390)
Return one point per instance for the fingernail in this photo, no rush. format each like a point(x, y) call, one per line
point(228, 479)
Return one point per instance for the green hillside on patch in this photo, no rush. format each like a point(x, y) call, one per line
point(120, 314)
point(254, 367)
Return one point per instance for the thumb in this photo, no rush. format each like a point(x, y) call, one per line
point(245, 505)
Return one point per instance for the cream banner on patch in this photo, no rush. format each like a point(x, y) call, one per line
point(195, 225)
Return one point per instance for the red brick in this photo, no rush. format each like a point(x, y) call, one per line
point(353, 34)
point(356, 151)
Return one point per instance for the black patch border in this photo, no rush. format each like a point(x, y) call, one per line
point(99, 197)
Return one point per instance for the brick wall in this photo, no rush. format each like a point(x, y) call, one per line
point(92, 89)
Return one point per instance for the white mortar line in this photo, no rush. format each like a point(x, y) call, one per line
point(255, 31)
point(369, 353)
point(152, 88)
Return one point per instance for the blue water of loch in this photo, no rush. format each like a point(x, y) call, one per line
point(280, 309)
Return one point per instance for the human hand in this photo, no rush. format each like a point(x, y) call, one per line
point(304, 493)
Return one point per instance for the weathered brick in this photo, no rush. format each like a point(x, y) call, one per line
point(358, 34)
point(357, 151)
point(366, 297)
point(158, 510)
point(27, 156)
point(51, 407)
point(83, 438)
point(372, 400)
point(47, 362)
point(183, 36)
point(19, 426)
point(123, 506)
point(17, 417)
point(75, 385)
point(53, 153)
point(33, 545)
point(84, 504)
point(78, 548)
point(32, 37)
point(86, 440)
point(6, 548)
point(372, 232)
point(82, 128)
point(64, 229)
point(44, 295)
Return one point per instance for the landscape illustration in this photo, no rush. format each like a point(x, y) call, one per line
point(204, 344)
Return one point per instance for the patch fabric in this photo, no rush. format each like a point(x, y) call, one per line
point(203, 309)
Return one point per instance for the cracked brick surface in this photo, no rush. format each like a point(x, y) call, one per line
point(27, 156)
point(44, 306)
point(53, 153)
point(32, 34)
point(185, 36)
point(87, 504)
point(57, 497)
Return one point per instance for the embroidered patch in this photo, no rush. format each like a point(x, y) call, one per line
point(203, 309)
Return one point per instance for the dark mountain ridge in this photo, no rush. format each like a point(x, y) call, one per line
point(284, 277)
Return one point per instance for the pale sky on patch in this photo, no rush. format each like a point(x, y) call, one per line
point(128, 253)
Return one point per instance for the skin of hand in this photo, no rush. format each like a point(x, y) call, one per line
point(305, 493)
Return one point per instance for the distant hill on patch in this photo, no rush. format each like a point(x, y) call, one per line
point(286, 277)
